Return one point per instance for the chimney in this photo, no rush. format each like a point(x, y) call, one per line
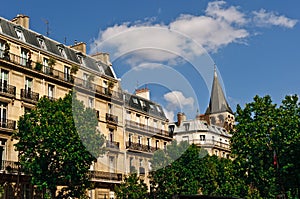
point(143, 92)
point(21, 20)
point(103, 57)
point(80, 46)
point(180, 118)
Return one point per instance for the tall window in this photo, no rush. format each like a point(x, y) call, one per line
point(28, 84)
point(45, 64)
point(138, 118)
point(2, 47)
point(111, 135)
point(128, 115)
point(3, 80)
point(62, 51)
point(202, 137)
point(156, 144)
point(109, 108)
point(23, 58)
point(2, 149)
point(130, 138)
point(3, 114)
point(85, 79)
point(91, 102)
point(51, 91)
point(67, 73)
point(139, 140)
point(111, 164)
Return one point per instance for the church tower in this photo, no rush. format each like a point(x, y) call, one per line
point(219, 112)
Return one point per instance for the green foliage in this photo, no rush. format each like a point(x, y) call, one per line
point(1, 191)
point(133, 187)
point(38, 66)
point(51, 148)
point(263, 130)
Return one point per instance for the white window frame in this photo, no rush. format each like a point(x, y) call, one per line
point(20, 34)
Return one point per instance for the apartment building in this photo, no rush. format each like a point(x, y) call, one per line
point(209, 131)
point(33, 65)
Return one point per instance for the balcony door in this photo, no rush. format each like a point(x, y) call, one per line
point(3, 114)
point(3, 80)
point(28, 87)
point(23, 58)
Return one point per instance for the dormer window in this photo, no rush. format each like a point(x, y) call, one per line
point(42, 43)
point(20, 34)
point(61, 50)
point(1, 29)
point(80, 59)
point(135, 100)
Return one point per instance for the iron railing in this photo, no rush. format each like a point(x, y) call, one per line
point(140, 147)
point(7, 89)
point(112, 144)
point(111, 118)
point(101, 175)
point(211, 143)
point(7, 123)
point(29, 95)
point(147, 128)
point(9, 166)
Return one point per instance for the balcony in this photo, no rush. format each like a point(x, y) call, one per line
point(46, 70)
point(101, 175)
point(140, 147)
point(212, 144)
point(29, 95)
point(147, 129)
point(7, 124)
point(112, 144)
point(9, 166)
point(7, 90)
point(112, 119)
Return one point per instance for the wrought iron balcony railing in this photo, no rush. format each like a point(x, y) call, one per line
point(111, 118)
point(112, 144)
point(7, 89)
point(101, 175)
point(29, 95)
point(8, 124)
point(9, 166)
point(140, 147)
point(147, 128)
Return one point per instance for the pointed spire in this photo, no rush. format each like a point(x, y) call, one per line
point(218, 102)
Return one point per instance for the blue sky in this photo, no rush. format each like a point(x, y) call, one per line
point(172, 46)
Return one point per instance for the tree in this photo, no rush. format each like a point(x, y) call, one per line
point(133, 187)
point(265, 143)
point(51, 147)
point(176, 170)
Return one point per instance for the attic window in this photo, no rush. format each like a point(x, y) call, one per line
point(1, 29)
point(42, 43)
point(135, 100)
point(142, 103)
point(61, 50)
point(158, 109)
point(80, 59)
point(152, 106)
point(20, 34)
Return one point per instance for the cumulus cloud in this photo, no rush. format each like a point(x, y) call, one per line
point(148, 66)
point(169, 114)
point(186, 36)
point(176, 99)
point(264, 18)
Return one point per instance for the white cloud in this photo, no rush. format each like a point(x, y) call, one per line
point(264, 18)
point(148, 66)
point(176, 100)
point(169, 114)
point(219, 26)
point(231, 14)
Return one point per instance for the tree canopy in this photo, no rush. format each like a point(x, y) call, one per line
point(265, 145)
point(51, 145)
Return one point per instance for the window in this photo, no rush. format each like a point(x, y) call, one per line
point(135, 100)
point(148, 142)
point(23, 58)
point(130, 138)
point(27, 110)
point(185, 138)
point(4, 80)
point(67, 73)
point(139, 140)
point(216, 152)
point(28, 84)
point(202, 137)
point(50, 91)
point(165, 145)
point(20, 34)
point(110, 106)
point(42, 43)
point(85, 79)
point(2, 47)
point(142, 103)
point(111, 135)
point(111, 164)
point(155, 123)
point(3, 114)
point(156, 144)
point(1, 29)
point(62, 51)
point(2, 149)
point(187, 126)
point(91, 102)
point(46, 67)
point(141, 162)
point(128, 115)
point(80, 59)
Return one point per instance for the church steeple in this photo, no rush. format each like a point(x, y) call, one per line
point(219, 112)
point(218, 102)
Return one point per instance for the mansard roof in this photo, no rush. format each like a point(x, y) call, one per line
point(143, 105)
point(31, 38)
point(218, 102)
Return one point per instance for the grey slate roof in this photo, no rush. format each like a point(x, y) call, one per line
point(218, 102)
point(151, 108)
point(8, 28)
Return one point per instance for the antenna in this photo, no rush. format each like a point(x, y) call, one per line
point(47, 27)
